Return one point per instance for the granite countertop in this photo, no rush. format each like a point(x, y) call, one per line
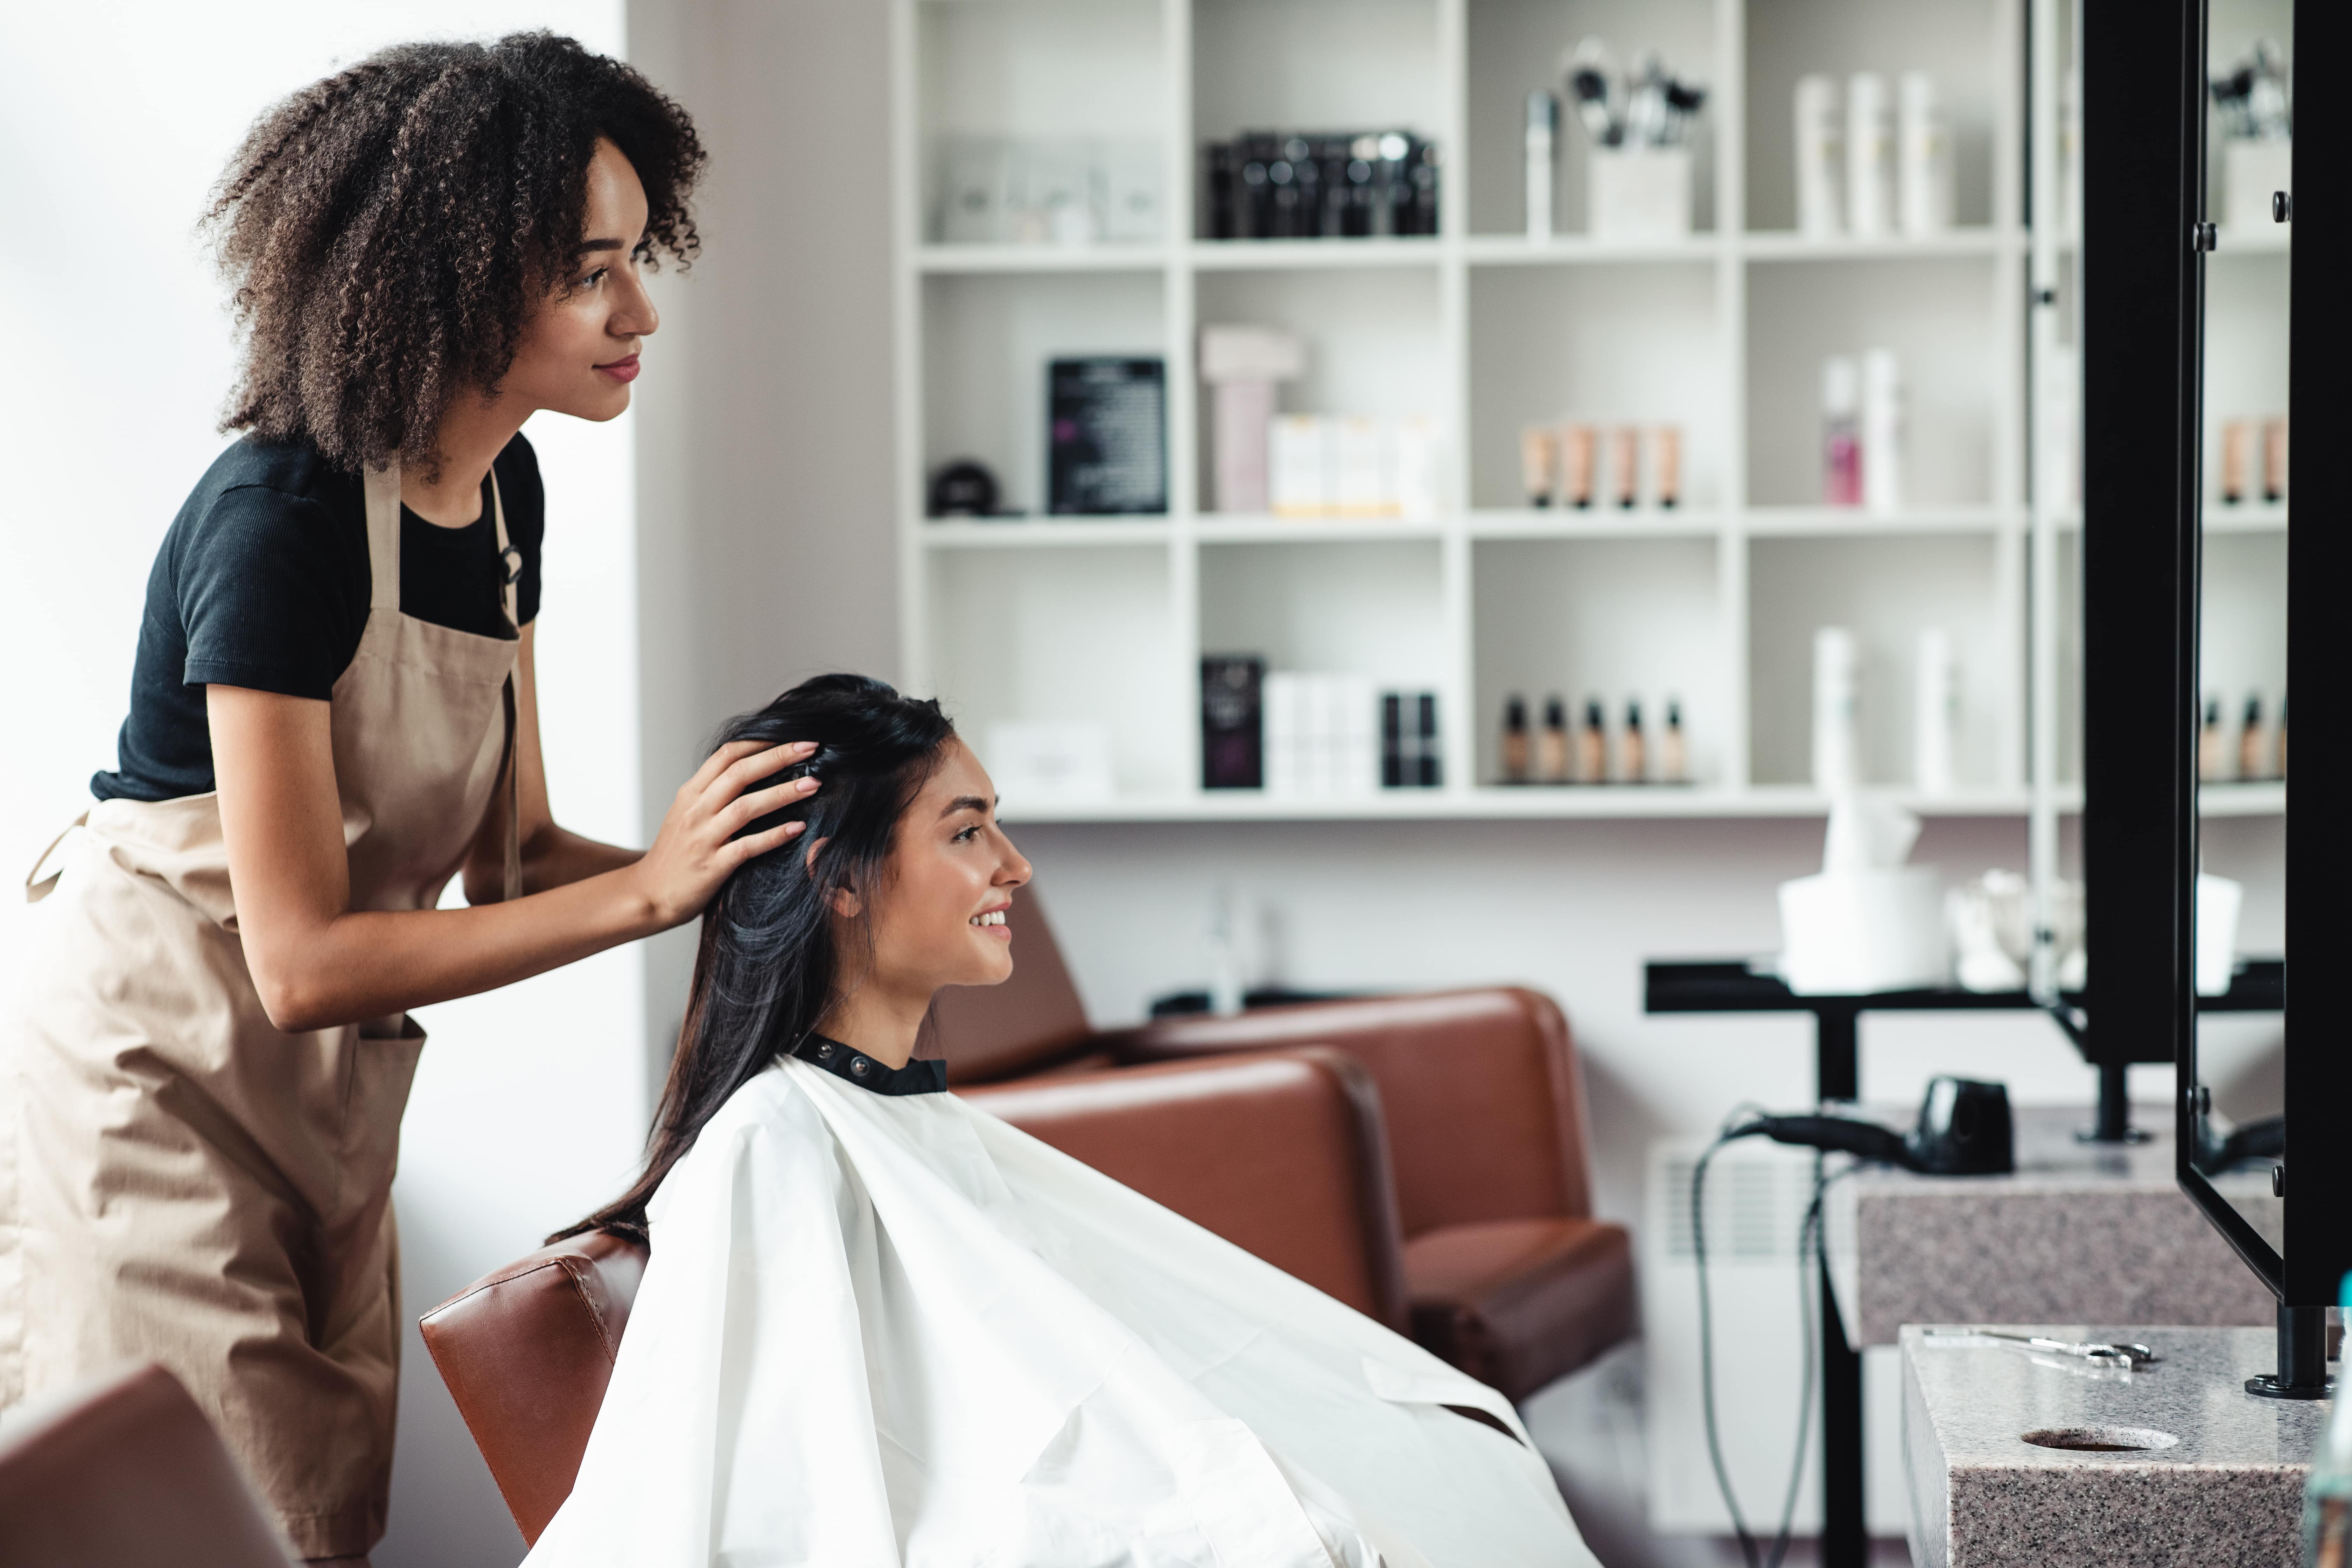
point(2079, 1231)
point(2213, 1477)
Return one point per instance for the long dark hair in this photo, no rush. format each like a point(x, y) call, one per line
point(768, 966)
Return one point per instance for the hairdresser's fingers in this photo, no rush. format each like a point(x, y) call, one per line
point(757, 805)
point(717, 762)
point(741, 774)
point(756, 844)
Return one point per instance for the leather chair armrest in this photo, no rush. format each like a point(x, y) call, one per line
point(526, 1352)
point(1284, 1154)
point(1485, 1112)
point(124, 1470)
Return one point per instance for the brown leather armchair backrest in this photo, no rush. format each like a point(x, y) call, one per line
point(1031, 1021)
point(1283, 1154)
point(126, 1474)
point(1486, 1117)
point(526, 1352)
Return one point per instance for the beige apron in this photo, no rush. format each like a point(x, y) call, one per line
point(189, 1184)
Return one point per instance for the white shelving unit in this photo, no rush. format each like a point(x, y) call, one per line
point(1483, 330)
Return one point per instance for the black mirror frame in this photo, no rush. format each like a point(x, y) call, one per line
point(2145, 232)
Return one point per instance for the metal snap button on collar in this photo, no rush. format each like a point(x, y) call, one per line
point(859, 1066)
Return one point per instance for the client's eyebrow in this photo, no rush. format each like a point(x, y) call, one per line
point(965, 802)
point(588, 244)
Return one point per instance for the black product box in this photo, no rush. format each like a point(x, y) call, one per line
point(1233, 723)
point(1106, 436)
point(1411, 751)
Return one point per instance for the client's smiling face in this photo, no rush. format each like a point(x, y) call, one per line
point(941, 916)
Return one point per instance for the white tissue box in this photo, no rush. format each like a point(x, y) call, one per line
point(1853, 933)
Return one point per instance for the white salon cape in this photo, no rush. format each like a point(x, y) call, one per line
point(887, 1328)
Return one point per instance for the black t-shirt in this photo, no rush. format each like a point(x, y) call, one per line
point(263, 581)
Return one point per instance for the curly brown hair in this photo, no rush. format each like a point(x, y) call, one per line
point(388, 230)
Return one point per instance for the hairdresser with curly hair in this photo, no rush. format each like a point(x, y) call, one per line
point(332, 716)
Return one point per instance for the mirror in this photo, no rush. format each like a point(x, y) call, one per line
point(2239, 1054)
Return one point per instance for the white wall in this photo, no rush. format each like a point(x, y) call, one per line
point(114, 120)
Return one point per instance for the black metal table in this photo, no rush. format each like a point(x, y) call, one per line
point(1734, 985)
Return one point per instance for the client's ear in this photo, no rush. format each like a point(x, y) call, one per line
point(845, 904)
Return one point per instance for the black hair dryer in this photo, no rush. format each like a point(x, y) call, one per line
point(1964, 1130)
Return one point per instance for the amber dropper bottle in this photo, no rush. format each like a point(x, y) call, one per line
point(1592, 746)
point(1514, 740)
point(2209, 743)
point(1551, 745)
point(2250, 750)
point(1674, 754)
point(1633, 747)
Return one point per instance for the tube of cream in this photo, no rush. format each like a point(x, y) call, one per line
point(1869, 176)
point(1666, 463)
point(1538, 463)
point(1626, 465)
point(1577, 442)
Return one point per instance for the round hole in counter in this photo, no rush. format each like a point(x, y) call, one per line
point(2100, 1439)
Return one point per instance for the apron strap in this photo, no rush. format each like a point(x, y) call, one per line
point(384, 537)
point(510, 569)
point(37, 887)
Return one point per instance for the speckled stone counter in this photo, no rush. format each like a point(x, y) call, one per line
point(2080, 1231)
point(2214, 1479)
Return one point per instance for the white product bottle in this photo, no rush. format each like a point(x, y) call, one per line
point(1820, 154)
point(1882, 433)
point(1869, 157)
point(1543, 121)
point(1837, 682)
point(1934, 712)
point(1924, 154)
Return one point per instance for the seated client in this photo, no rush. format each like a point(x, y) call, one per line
point(882, 1327)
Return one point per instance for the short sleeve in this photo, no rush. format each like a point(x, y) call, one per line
point(267, 597)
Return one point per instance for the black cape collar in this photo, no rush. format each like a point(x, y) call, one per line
point(918, 1076)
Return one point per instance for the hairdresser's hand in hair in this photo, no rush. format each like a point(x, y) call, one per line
point(698, 846)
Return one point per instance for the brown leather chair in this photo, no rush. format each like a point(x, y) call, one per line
point(127, 1473)
point(1509, 1276)
point(527, 1351)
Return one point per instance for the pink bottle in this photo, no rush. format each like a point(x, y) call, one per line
point(1841, 432)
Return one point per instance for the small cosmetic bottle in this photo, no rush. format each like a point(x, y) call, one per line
point(1514, 740)
point(1626, 465)
point(1924, 146)
point(2234, 461)
point(1666, 463)
point(1673, 753)
point(1633, 749)
point(2274, 458)
point(1543, 124)
point(1820, 160)
point(1869, 157)
point(1551, 745)
point(1882, 433)
point(2252, 756)
point(1840, 432)
point(1538, 454)
point(2209, 743)
point(1577, 455)
point(1592, 746)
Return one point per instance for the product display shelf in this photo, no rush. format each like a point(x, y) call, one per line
point(1767, 245)
point(1394, 326)
point(2247, 517)
point(952, 259)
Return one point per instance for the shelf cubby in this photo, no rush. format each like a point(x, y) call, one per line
point(1606, 620)
point(1069, 635)
point(1886, 590)
point(1638, 344)
point(1360, 606)
point(987, 341)
point(1945, 321)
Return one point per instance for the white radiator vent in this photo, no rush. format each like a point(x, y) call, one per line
point(1756, 1201)
point(1757, 1193)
